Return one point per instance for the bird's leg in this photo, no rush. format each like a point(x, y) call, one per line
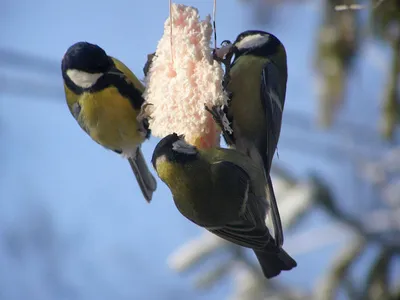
point(230, 95)
point(224, 55)
point(143, 120)
point(219, 114)
point(227, 76)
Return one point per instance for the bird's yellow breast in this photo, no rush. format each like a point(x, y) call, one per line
point(191, 188)
point(245, 84)
point(180, 179)
point(110, 119)
point(169, 171)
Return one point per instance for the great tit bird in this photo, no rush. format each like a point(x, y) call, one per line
point(223, 191)
point(105, 98)
point(256, 81)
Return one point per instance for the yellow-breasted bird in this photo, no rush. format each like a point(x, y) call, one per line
point(223, 191)
point(105, 98)
point(251, 123)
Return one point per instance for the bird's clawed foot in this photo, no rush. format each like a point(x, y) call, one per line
point(220, 54)
point(230, 95)
point(224, 56)
point(219, 114)
point(143, 120)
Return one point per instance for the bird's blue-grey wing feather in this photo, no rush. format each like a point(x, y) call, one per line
point(273, 93)
point(232, 182)
point(250, 229)
point(76, 113)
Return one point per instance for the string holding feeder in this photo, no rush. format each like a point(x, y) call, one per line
point(214, 24)
point(170, 32)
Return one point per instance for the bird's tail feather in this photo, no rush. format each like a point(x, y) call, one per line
point(145, 179)
point(274, 261)
point(275, 216)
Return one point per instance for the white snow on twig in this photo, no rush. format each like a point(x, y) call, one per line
point(192, 251)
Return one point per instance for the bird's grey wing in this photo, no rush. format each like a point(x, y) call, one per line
point(273, 93)
point(231, 182)
point(249, 230)
point(76, 113)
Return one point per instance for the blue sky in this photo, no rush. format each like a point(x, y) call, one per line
point(106, 241)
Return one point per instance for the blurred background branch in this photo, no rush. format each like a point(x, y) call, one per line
point(339, 272)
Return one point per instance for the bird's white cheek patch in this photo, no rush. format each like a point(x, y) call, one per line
point(252, 41)
point(161, 159)
point(83, 79)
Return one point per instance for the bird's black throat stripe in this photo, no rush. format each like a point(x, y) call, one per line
point(125, 88)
